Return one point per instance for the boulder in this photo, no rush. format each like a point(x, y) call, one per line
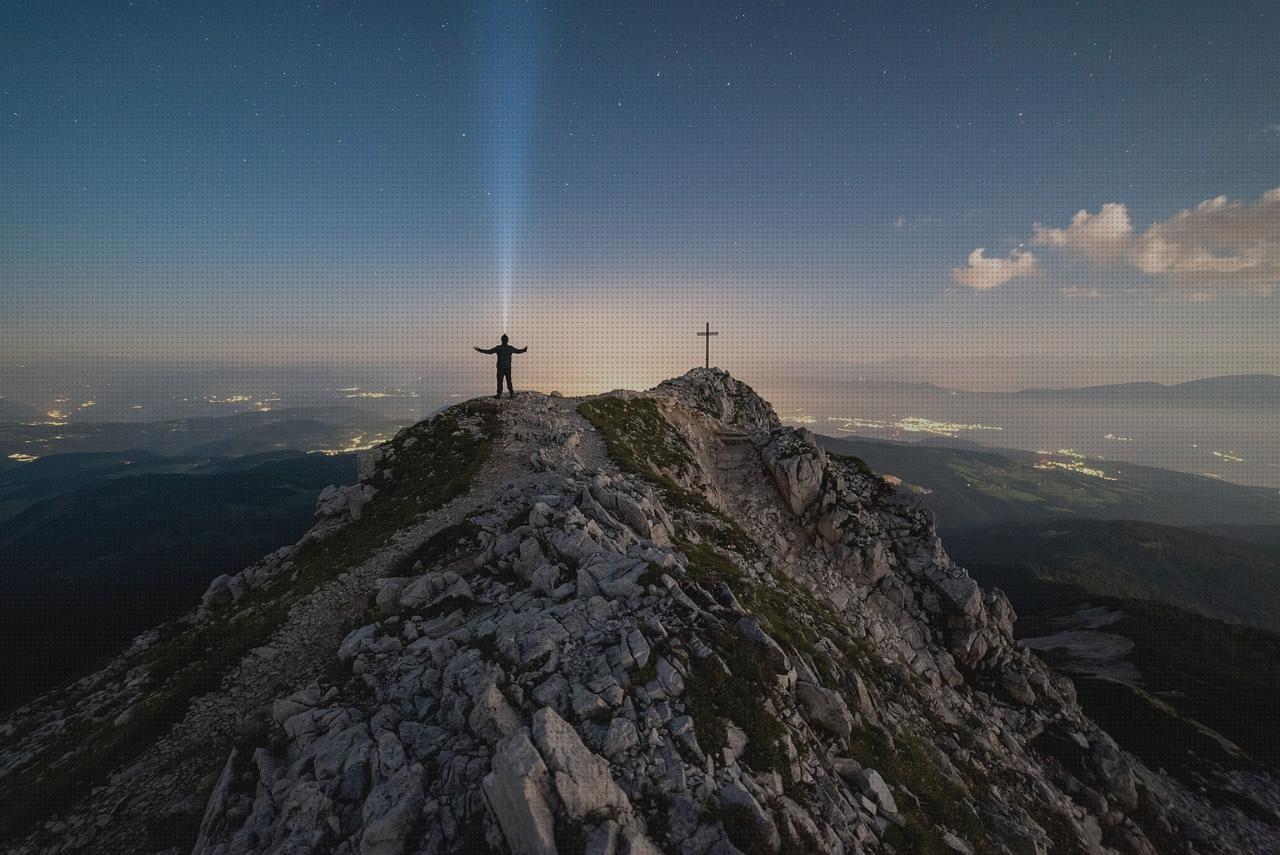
point(825, 708)
point(582, 779)
point(390, 811)
point(1016, 686)
point(961, 594)
point(764, 829)
point(873, 786)
point(621, 737)
point(798, 478)
point(218, 594)
point(519, 792)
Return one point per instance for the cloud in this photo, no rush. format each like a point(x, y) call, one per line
point(985, 273)
point(1102, 237)
point(1220, 243)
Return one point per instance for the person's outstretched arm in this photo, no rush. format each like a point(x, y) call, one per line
point(522, 349)
point(482, 350)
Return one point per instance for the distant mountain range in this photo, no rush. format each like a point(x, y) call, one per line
point(1079, 368)
point(1228, 391)
point(1237, 391)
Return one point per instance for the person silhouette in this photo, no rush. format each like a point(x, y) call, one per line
point(504, 352)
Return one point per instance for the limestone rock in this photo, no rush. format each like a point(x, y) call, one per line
point(582, 779)
point(519, 793)
point(873, 785)
point(825, 708)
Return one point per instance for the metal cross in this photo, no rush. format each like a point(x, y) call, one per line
point(708, 334)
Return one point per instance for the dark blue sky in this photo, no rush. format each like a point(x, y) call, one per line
point(288, 181)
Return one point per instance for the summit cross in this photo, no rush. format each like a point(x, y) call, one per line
point(708, 334)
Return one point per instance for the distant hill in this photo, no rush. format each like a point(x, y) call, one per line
point(1262, 535)
point(81, 572)
point(967, 488)
point(1217, 577)
point(1237, 391)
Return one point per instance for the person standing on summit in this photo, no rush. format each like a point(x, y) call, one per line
point(504, 352)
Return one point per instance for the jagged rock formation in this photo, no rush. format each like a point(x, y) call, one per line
point(635, 623)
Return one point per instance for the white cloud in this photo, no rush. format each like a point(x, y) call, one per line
point(985, 273)
point(1217, 244)
point(1101, 237)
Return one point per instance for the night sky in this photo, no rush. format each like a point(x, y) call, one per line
point(377, 183)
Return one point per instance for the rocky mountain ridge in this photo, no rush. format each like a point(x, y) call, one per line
point(634, 623)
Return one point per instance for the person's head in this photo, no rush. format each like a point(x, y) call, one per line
point(504, 338)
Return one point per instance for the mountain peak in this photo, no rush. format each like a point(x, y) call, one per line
point(631, 623)
point(716, 392)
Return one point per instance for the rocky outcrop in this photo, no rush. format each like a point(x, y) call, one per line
point(729, 401)
point(764, 648)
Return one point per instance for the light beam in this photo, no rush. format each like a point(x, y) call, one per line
point(512, 68)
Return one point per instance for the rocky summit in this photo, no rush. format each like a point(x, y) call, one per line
point(632, 623)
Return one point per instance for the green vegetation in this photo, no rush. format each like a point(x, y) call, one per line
point(1150, 728)
point(708, 565)
point(432, 463)
point(856, 462)
point(731, 687)
point(779, 605)
point(187, 665)
point(1219, 674)
point(644, 443)
point(443, 548)
point(435, 461)
point(740, 826)
point(638, 436)
point(905, 762)
point(718, 696)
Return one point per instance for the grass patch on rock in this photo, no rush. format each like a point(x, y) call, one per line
point(642, 442)
point(734, 691)
point(443, 548)
point(859, 465)
point(904, 761)
point(428, 465)
point(741, 827)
